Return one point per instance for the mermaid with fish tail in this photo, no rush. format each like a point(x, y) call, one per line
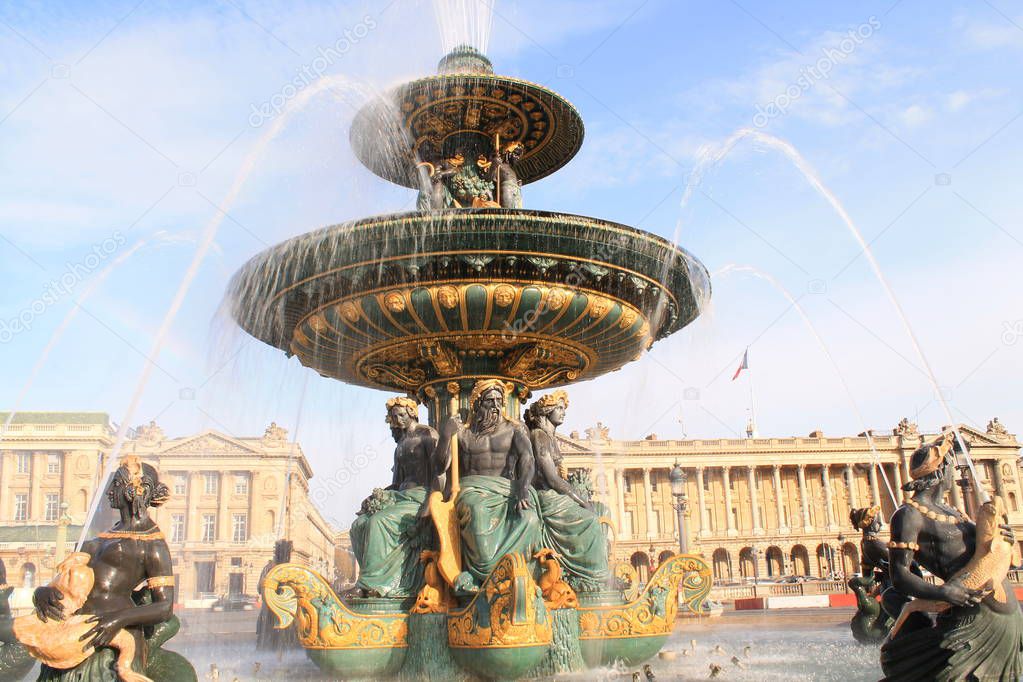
point(978, 633)
point(132, 553)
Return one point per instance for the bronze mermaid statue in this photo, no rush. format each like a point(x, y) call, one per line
point(978, 631)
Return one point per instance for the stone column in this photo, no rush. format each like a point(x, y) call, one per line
point(999, 482)
point(255, 518)
point(829, 511)
point(224, 522)
point(6, 484)
point(956, 498)
point(704, 515)
point(803, 502)
point(778, 508)
point(904, 465)
point(66, 494)
point(754, 503)
point(875, 492)
point(624, 530)
point(897, 470)
point(35, 496)
point(729, 517)
point(651, 523)
point(850, 484)
point(193, 517)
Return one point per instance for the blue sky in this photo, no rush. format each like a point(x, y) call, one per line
point(129, 121)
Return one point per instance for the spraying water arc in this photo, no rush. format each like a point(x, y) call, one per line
point(209, 234)
point(713, 156)
point(749, 269)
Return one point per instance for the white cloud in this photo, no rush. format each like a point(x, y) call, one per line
point(915, 115)
point(994, 36)
point(961, 99)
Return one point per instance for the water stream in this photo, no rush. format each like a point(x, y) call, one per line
point(333, 83)
point(713, 156)
point(760, 274)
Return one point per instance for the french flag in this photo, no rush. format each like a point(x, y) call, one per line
point(742, 365)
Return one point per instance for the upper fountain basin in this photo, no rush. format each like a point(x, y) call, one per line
point(465, 108)
point(408, 300)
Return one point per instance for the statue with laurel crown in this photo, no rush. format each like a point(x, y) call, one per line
point(388, 535)
point(571, 521)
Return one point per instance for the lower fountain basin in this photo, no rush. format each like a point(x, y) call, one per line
point(413, 301)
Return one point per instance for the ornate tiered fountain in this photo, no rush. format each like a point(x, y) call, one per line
point(443, 304)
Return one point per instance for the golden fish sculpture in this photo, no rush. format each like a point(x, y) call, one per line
point(985, 571)
point(57, 643)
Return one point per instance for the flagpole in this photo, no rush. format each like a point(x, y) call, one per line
point(752, 398)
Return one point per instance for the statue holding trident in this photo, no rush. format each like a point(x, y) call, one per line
point(494, 505)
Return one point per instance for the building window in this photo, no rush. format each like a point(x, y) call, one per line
point(211, 479)
point(52, 506)
point(180, 484)
point(209, 528)
point(21, 507)
point(240, 527)
point(628, 483)
point(53, 464)
point(236, 562)
point(24, 462)
point(241, 484)
point(178, 528)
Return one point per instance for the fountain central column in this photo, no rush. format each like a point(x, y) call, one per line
point(437, 398)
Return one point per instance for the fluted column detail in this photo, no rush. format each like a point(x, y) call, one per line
point(899, 493)
point(729, 516)
point(623, 528)
point(829, 508)
point(850, 485)
point(700, 497)
point(804, 504)
point(778, 504)
point(651, 523)
point(754, 502)
point(875, 492)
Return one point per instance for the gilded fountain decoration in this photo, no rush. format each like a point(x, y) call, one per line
point(482, 556)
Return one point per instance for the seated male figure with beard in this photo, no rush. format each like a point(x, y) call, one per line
point(496, 507)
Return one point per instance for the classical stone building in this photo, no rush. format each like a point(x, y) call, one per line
point(231, 498)
point(47, 460)
point(769, 507)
